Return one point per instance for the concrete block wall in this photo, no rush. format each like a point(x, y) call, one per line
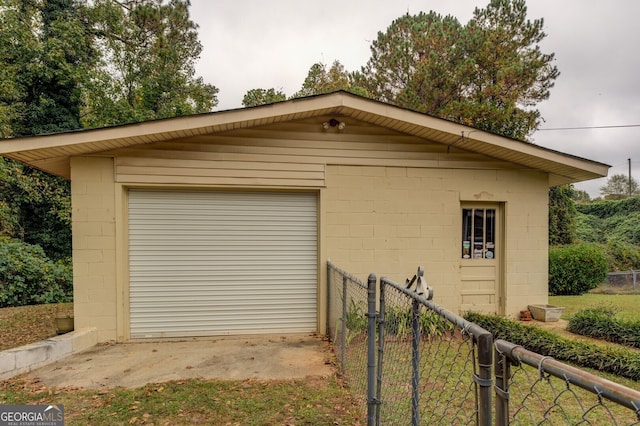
point(94, 245)
point(390, 220)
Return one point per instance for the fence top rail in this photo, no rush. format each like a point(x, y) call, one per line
point(615, 392)
point(346, 274)
point(473, 329)
point(633, 271)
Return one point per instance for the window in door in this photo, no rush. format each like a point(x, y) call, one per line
point(478, 233)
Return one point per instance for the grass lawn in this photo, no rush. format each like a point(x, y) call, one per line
point(627, 305)
point(311, 401)
point(315, 400)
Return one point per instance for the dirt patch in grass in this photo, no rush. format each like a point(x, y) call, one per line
point(29, 324)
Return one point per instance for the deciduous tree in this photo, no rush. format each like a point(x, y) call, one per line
point(618, 187)
point(148, 50)
point(35, 208)
point(45, 51)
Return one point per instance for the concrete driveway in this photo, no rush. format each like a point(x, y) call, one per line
point(233, 358)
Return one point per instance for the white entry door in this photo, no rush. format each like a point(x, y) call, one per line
point(482, 258)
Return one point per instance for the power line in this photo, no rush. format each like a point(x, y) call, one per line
point(591, 127)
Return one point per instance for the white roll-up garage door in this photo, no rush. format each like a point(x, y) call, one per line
point(205, 263)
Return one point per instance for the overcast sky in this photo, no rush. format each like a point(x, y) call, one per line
point(262, 44)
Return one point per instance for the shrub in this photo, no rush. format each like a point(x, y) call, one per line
point(620, 361)
point(356, 320)
point(28, 277)
point(576, 269)
point(621, 255)
point(399, 322)
point(600, 322)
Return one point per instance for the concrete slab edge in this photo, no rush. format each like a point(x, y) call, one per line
point(25, 358)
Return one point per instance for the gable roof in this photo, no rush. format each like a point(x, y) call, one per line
point(51, 153)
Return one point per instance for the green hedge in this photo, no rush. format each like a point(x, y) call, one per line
point(575, 269)
point(601, 323)
point(29, 277)
point(619, 361)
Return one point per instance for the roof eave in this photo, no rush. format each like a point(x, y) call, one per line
point(52, 152)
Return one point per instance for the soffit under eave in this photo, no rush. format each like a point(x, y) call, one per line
point(92, 141)
point(58, 166)
point(567, 168)
point(51, 153)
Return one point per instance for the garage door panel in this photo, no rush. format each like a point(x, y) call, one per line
point(211, 263)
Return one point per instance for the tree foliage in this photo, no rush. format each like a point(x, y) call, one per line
point(417, 63)
point(148, 51)
point(255, 97)
point(65, 64)
point(581, 196)
point(562, 215)
point(35, 208)
point(46, 53)
point(619, 187)
point(46, 49)
point(615, 225)
point(488, 74)
point(321, 80)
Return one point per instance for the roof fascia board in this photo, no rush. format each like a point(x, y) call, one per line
point(473, 134)
point(165, 128)
point(341, 103)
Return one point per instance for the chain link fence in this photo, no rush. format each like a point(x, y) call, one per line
point(532, 389)
point(424, 365)
point(434, 367)
point(626, 282)
point(413, 362)
point(347, 324)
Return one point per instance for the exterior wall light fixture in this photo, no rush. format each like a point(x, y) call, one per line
point(334, 123)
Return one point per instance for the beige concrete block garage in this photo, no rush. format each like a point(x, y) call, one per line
point(222, 223)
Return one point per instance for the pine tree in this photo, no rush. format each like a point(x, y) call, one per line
point(488, 74)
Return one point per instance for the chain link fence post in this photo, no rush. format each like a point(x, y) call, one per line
point(381, 337)
point(343, 323)
point(484, 378)
point(415, 363)
point(371, 350)
point(502, 376)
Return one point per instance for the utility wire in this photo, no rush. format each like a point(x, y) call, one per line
point(590, 127)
